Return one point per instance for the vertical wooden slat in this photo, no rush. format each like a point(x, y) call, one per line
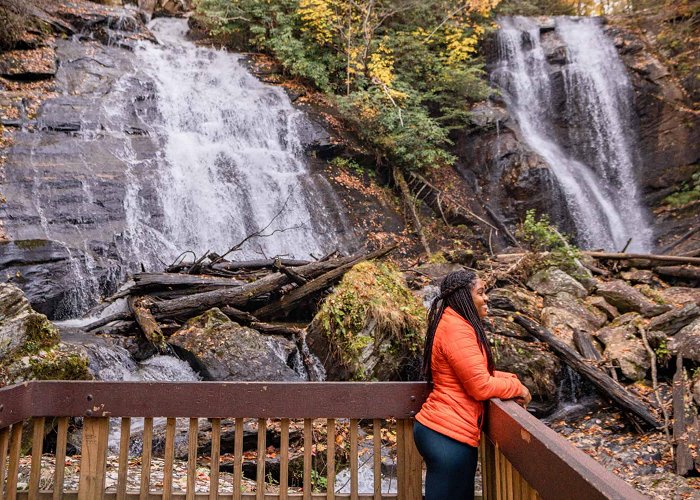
point(37, 451)
point(169, 456)
point(509, 480)
point(4, 442)
point(284, 458)
point(122, 472)
point(13, 467)
point(260, 460)
point(488, 469)
point(93, 458)
point(400, 462)
point(414, 464)
point(238, 460)
point(308, 444)
point(330, 459)
point(215, 453)
point(497, 474)
point(517, 481)
point(146, 458)
point(377, 451)
point(192, 457)
point(59, 471)
point(354, 469)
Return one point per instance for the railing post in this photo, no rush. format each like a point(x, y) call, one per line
point(93, 458)
point(410, 463)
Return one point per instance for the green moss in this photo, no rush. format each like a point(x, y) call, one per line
point(688, 193)
point(58, 365)
point(30, 244)
point(41, 333)
point(372, 308)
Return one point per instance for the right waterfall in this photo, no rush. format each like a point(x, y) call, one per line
point(573, 107)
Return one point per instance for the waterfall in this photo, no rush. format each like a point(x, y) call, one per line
point(231, 161)
point(587, 138)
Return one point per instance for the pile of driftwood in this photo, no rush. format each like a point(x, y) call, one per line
point(252, 293)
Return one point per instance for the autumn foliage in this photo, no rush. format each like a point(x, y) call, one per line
point(403, 71)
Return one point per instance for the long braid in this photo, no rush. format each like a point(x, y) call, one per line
point(455, 292)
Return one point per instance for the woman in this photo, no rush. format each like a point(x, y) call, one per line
point(459, 363)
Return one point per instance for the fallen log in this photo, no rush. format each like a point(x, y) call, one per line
point(146, 283)
point(239, 296)
point(683, 457)
point(140, 308)
point(289, 301)
point(683, 272)
point(584, 343)
point(121, 315)
point(679, 259)
point(249, 265)
point(680, 240)
point(643, 256)
point(603, 382)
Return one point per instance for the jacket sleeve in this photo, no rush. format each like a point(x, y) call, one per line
point(498, 374)
point(462, 352)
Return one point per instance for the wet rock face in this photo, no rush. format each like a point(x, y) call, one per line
point(45, 271)
point(223, 350)
point(669, 137)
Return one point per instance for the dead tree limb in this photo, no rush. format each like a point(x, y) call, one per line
point(684, 459)
point(410, 207)
point(239, 296)
point(643, 256)
point(251, 265)
point(140, 308)
point(655, 384)
point(287, 303)
point(122, 315)
point(603, 382)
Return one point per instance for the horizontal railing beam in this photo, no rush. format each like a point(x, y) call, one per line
point(549, 463)
point(213, 399)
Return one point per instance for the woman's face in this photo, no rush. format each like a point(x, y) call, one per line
point(480, 298)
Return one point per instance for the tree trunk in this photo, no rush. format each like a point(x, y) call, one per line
point(603, 382)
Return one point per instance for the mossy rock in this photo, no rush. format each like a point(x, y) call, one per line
point(62, 362)
point(371, 327)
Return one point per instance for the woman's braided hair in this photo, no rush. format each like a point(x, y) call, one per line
point(455, 292)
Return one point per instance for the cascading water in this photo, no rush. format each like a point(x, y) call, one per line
point(588, 138)
point(231, 161)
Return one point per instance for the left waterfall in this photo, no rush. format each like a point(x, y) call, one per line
point(141, 156)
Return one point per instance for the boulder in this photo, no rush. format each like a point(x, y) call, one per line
point(503, 325)
point(687, 341)
point(221, 349)
point(370, 328)
point(513, 298)
point(680, 295)
point(602, 305)
point(644, 276)
point(562, 324)
point(627, 298)
point(534, 364)
point(624, 347)
point(29, 344)
point(22, 330)
point(552, 281)
point(564, 300)
point(669, 323)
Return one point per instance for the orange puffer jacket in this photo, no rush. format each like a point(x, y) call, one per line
point(461, 382)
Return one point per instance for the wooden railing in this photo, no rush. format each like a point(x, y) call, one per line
point(330, 424)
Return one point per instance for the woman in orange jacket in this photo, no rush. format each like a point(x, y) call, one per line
point(459, 363)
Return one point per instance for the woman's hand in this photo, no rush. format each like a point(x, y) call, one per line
point(524, 398)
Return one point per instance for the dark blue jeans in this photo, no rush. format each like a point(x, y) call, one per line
point(451, 465)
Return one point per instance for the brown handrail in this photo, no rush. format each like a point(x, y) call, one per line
point(542, 458)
